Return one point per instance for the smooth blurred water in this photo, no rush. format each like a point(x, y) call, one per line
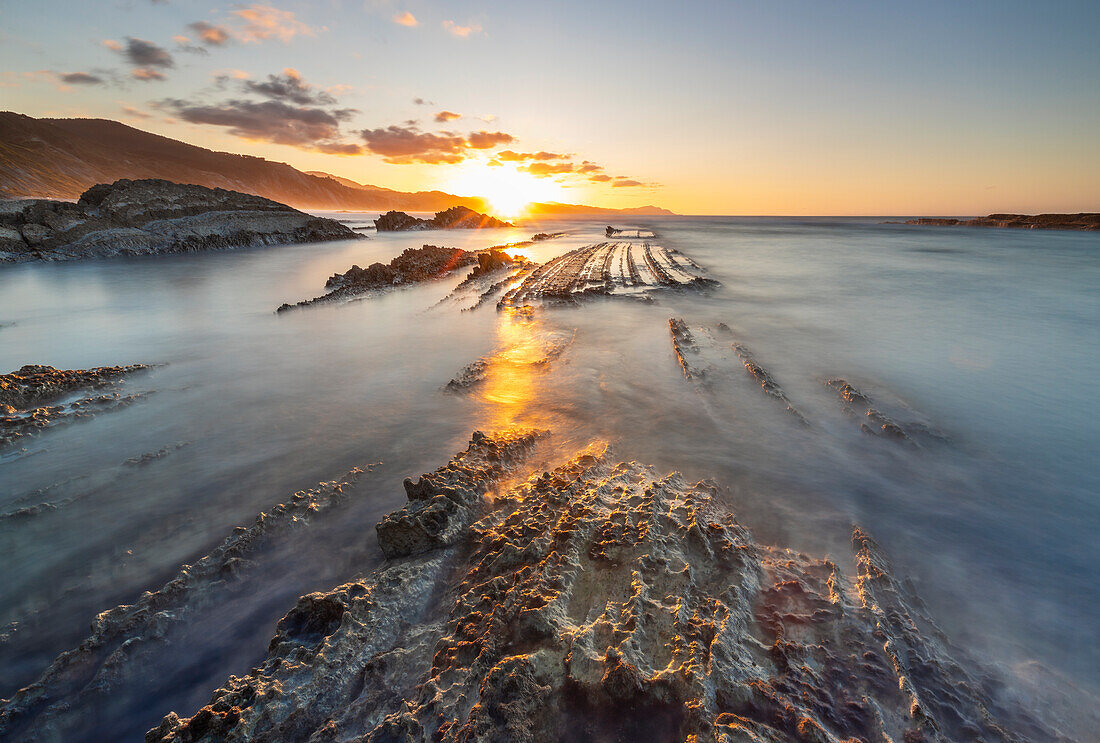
point(991, 336)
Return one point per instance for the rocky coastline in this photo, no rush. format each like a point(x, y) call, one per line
point(455, 218)
point(1083, 221)
point(152, 217)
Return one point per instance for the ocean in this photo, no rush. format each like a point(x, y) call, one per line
point(983, 343)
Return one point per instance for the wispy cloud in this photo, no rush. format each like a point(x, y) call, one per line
point(461, 31)
point(516, 157)
point(211, 34)
point(147, 74)
point(261, 22)
point(290, 86)
point(406, 19)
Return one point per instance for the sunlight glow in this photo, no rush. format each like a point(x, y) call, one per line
point(507, 189)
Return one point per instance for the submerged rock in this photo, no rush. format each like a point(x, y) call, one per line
point(602, 601)
point(26, 394)
point(455, 218)
point(153, 216)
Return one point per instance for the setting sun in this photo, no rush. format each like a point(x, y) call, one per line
point(508, 189)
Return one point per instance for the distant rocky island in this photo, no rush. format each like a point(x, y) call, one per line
point(152, 216)
point(455, 218)
point(1083, 221)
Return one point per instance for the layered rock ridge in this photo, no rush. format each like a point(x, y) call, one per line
point(153, 216)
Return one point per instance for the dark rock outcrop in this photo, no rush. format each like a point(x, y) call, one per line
point(413, 266)
point(1084, 221)
point(455, 218)
point(152, 217)
point(602, 601)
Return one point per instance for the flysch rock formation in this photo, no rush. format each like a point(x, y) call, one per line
point(536, 352)
point(73, 694)
point(27, 393)
point(601, 601)
point(607, 269)
point(876, 422)
point(413, 266)
point(455, 218)
point(767, 381)
point(151, 217)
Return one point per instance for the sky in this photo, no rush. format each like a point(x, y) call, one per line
point(721, 107)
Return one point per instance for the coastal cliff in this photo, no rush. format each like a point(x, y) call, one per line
point(151, 217)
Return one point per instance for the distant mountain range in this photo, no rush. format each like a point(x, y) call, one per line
point(61, 158)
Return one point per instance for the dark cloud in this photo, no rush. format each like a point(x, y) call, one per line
point(444, 116)
point(421, 102)
point(211, 34)
point(269, 121)
point(402, 145)
point(80, 78)
point(516, 157)
point(142, 53)
point(484, 140)
point(290, 86)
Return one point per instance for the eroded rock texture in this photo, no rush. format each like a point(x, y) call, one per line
point(766, 380)
point(875, 421)
point(153, 216)
point(455, 218)
point(26, 394)
point(413, 266)
point(602, 601)
point(608, 268)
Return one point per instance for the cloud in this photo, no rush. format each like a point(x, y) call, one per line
point(211, 34)
point(289, 86)
point(142, 53)
point(268, 121)
point(516, 157)
point(421, 102)
point(146, 74)
point(545, 170)
point(599, 178)
point(484, 140)
point(262, 23)
point(113, 45)
point(135, 113)
point(402, 145)
point(621, 182)
point(589, 167)
point(444, 116)
point(80, 78)
point(461, 31)
point(406, 19)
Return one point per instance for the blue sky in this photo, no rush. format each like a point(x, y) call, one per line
point(703, 107)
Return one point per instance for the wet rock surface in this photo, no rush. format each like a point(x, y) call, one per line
point(767, 382)
point(604, 601)
point(413, 266)
point(455, 218)
point(876, 422)
point(153, 216)
point(77, 692)
point(26, 394)
point(608, 269)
